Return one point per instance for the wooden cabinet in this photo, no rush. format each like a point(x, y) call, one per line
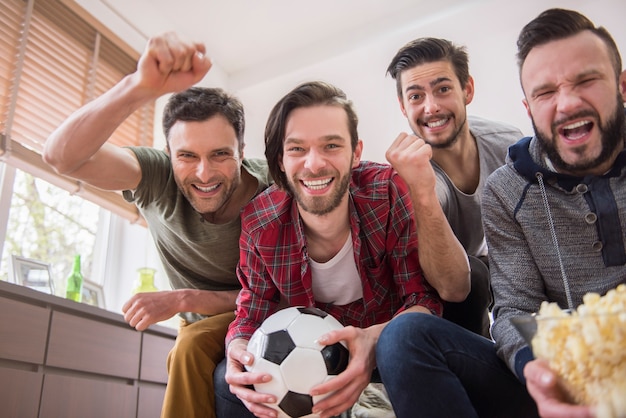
point(23, 331)
point(63, 359)
point(73, 396)
point(19, 392)
point(155, 349)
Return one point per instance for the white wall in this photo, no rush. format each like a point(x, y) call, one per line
point(489, 29)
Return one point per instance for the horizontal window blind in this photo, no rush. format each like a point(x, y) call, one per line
point(52, 61)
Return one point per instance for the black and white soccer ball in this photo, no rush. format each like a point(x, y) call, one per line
point(285, 347)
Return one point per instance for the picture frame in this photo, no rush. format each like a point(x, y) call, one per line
point(93, 294)
point(34, 274)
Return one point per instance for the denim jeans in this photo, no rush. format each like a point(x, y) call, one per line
point(227, 405)
point(433, 368)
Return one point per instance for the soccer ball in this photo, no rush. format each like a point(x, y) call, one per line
point(285, 347)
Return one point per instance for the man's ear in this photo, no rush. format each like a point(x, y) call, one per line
point(402, 109)
point(622, 85)
point(527, 106)
point(358, 151)
point(469, 90)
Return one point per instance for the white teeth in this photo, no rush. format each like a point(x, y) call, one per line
point(316, 184)
point(207, 189)
point(572, 132)
point(437, 123)
point(576, 124)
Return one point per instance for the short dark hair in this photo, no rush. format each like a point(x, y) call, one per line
point(426, 50)
point(201, 103)
point(555, 24)
point(308, 94)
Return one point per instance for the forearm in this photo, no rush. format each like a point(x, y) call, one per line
point(206, 302)
point(82, 134)
point(442, 257)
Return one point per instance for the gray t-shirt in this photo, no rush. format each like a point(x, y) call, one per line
point(463, 210)
point(195, 253)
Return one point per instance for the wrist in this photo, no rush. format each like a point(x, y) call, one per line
point(138, 93)
point(181, 299)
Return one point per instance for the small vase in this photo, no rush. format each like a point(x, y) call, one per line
point(145, 281)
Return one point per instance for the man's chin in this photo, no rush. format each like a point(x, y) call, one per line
point(206, 207)
point(439, 141)
point(313, 206)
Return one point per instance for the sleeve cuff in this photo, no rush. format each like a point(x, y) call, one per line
point(522, 357)
point(432, 304)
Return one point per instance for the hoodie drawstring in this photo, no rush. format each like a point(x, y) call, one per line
point(544, 195)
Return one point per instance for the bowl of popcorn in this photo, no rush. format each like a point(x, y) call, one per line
point(586, 347)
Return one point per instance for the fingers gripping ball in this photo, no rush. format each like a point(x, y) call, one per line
point(285, 347)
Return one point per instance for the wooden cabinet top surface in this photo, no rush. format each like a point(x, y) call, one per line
point(24, 294)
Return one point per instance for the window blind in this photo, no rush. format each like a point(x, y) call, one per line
point(52, 61)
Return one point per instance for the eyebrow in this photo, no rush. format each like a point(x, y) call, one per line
point(433, 83)
point(576, 78)
point(212, 151)
point(223, 149)
point(327, 138)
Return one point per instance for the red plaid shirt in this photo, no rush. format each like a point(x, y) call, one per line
point(274, 265)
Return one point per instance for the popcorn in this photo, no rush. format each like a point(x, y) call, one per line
point(587, 349)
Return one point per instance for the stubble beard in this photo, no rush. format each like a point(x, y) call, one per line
point(209, 206)
point(321, 205)
point(449, 141)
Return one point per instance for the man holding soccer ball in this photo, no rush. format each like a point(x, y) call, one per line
point(336, 233)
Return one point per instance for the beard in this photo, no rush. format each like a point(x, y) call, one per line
point(449, 141)
point(321, 205)
point(207, 207)
point(612, 134)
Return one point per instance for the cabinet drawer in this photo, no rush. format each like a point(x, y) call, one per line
point(19, 393)
point(23, 331)
point(150, 401)
point(83, 344)
point(154, 351)
point(70, 396)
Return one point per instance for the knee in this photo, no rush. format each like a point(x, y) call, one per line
point(399, 333)
point(197, 342)
point(197, 348)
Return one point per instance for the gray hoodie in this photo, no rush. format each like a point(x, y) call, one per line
point(551, 237)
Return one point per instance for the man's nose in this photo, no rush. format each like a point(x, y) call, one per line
point(431, 105)
point(568, 101)
point(314, 161)
point(203, 170)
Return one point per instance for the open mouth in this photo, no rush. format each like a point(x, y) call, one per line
point(576, 130)
point(436, 123)
point(208, 189)
point(317, 184)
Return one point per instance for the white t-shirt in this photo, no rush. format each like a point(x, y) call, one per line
point(337, 281)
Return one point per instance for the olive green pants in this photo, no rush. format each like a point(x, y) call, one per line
point(198, 349)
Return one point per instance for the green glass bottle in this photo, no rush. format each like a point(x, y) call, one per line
point(74, 285)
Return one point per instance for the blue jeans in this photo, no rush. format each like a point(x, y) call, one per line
point(433, 368)
point(227, 405)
